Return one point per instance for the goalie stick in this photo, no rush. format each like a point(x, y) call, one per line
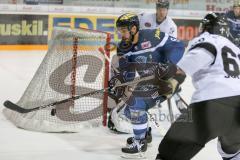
point(12, 106)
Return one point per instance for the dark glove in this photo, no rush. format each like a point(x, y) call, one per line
point(165, 74)
point(165, 71)
point(116, 93)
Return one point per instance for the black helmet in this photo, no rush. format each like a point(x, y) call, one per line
point(128, 20)
point(215, 23)
point(162, 4)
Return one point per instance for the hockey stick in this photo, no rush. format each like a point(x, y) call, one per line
point(184, 102)
point(176, 99)
point(179, 103)
point(8, 104)
point(152, 118)
point(170, 110)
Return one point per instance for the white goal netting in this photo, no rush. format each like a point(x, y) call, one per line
point(72, 66)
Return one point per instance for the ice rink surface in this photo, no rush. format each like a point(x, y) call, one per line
point(16, 71)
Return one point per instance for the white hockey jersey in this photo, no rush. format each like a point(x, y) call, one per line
point(148, 21)
point(213, 62)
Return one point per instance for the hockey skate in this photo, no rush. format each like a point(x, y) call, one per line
point(136, 150)
point(148, 138)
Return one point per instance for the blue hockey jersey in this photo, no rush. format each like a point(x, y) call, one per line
point(234, 25)
point(153, 46)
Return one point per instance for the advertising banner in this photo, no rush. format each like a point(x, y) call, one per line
point(43, 1)
point(23, 29)
point(187, 28)
point(100, 23)
point(203, 5)
point(112, 3)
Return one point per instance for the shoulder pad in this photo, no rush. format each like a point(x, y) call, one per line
point(204, 41)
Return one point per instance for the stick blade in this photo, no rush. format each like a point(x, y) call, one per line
point(12, 106)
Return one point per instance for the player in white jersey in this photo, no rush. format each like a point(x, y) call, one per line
point(160, 19)
point(213, 62)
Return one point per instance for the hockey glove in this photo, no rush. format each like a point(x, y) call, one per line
point(116, 93)
point(168, 78)
point(165, 71)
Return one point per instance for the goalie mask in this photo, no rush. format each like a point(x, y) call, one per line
point(125, 24)
point(215, 23)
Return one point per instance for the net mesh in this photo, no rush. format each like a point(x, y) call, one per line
point(72, 66)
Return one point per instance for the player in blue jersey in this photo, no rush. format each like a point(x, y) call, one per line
point(233, 17)
point(143, 53)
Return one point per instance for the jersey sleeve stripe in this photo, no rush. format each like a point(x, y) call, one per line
point(207, 46)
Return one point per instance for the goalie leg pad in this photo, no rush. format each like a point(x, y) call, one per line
point(121, 119)
point(120, 122)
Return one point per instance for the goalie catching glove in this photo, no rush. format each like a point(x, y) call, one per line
point(169, 76)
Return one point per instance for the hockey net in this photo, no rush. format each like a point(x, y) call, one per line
point(72, 66)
